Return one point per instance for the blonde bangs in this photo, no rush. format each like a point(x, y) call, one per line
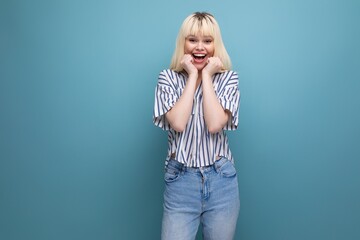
point(204, 27)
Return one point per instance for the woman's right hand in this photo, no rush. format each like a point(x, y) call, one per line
point(187, 64)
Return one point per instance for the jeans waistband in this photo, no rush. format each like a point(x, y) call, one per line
point(182, 167)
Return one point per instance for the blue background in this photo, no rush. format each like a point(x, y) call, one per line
point(81, 159)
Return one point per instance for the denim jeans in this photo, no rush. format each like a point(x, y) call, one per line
point(208, 195)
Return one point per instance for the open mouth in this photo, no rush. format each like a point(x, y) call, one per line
point(199, 56)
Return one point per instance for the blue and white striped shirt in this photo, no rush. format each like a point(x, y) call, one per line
point(196, 146)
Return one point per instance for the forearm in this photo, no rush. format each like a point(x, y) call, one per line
point(179, 114)
point(215, 115)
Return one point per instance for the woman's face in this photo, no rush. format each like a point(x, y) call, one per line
point(200, 48)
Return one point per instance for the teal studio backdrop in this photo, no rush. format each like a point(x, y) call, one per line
point(81, 159)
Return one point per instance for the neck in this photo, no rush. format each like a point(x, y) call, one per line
point(199, 76)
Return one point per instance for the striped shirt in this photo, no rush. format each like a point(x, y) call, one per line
point(196, 146)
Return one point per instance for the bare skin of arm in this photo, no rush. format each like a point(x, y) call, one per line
point(215, 115)
point(178, 116)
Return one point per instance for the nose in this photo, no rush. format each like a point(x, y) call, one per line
point(199, 46)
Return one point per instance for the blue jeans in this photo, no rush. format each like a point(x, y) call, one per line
point(208, 195)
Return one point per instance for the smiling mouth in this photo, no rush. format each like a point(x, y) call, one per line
point(199, 56)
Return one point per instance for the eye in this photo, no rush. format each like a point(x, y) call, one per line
point(208, 41)
point(192, 40)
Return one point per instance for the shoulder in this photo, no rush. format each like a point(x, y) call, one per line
point(172, 79)
point(227, 74)
point(171, 74)
point(226, 77)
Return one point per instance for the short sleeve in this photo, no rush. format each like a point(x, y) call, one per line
point(165, 98)
point(229, 98)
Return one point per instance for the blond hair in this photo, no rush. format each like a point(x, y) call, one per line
point(204, 24)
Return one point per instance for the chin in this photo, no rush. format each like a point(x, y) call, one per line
point(200, 67)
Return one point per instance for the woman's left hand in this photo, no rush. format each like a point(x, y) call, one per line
point(213, 66)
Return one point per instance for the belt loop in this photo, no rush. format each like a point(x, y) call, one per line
point(202, 171)
point(216, 166)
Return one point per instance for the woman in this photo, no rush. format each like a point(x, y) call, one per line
point(195, 101)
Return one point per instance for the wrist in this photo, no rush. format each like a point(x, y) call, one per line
point(193, 75)
point(206, 74)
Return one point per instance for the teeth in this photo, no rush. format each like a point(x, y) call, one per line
point(199, 55)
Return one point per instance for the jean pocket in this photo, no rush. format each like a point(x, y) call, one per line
point(226, 168)
point(172, 171)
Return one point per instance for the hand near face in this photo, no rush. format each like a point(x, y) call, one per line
point(187, 64)
point(213, 66)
